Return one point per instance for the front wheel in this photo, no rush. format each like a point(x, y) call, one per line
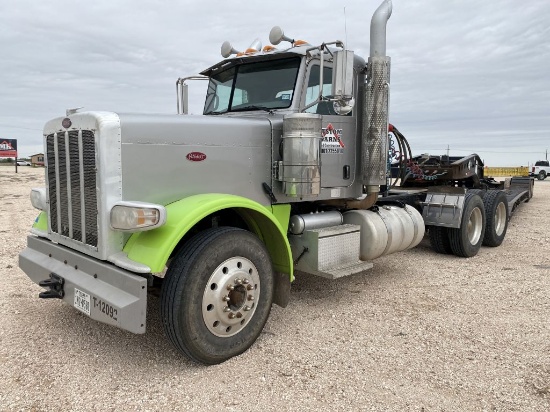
point(466, 240)
point(541, 175)
point(217, 294)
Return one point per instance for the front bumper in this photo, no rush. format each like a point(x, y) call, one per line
point(115, 296)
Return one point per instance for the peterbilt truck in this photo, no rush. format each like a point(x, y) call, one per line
point(287, 171)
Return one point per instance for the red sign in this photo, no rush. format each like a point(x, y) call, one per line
point(196, 156)
point(8, 148)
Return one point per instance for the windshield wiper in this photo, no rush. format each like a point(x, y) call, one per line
point(253, 107)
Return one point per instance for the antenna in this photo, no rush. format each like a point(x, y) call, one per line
point(345, 26)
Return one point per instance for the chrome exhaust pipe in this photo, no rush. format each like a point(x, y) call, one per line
point(374, 156)
point(378, 29)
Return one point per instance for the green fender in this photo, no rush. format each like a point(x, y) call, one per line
point(154, 247)
point(41, 222)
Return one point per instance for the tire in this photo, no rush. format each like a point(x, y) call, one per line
point(541, 175)
point(466, 240)
point(497, 213)
point(439, 239)
point(479, 192)
point(217, 294)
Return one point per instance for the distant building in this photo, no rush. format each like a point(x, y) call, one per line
point(37, 159)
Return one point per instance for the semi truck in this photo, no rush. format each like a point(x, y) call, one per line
point(287, 171)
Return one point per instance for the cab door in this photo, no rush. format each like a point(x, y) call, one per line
point(338, 143)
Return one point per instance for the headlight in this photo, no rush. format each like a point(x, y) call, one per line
point(38, 198)
point(137, 216)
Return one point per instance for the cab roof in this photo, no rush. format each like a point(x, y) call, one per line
point(276, 54)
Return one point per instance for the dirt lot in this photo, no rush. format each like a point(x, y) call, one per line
point(419, 331)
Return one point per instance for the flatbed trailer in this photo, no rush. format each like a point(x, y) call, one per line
point(518, 190)
point(462, 208)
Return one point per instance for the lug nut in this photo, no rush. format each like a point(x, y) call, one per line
point(231, 316)
point(250, 297)
point(246, 281)
point(246, 308)
point(249, 287)
point(239, 315)
point(226, 299)
point(238, 281)
point(226, 309)
point(230, 287)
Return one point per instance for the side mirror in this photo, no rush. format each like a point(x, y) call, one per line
point(342, 81)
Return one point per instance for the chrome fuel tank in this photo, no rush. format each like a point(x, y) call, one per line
point(388, 230)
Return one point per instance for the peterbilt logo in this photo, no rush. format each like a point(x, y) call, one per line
point(196, 156)
point(66, 123)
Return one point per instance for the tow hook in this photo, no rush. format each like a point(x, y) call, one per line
point(55, 285)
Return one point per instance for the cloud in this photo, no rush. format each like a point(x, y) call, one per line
point(466, 74)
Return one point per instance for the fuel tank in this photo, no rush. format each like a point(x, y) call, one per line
point(387, 230)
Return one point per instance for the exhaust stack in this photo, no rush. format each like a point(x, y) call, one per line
point(376, 105)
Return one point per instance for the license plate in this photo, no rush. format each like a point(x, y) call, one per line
point(82, 301)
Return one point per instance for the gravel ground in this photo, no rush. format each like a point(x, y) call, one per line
point(419, 331)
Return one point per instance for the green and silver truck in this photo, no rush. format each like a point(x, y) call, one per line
point(286, 171)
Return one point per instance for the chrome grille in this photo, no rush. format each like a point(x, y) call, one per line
point(72, 185)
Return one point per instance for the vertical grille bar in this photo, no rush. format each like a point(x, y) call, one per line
point(76, 192)
point(69, 187)
point(58, 189)
point(81, 181)
point(90, 193)
point(52, 186)
point(63, 205)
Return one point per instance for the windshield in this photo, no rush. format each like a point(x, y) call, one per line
point(254, 86)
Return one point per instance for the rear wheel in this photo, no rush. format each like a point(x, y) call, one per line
point(479, 192)
point(531, 189)
point(217, 294)
point(496, 210)
point(466, 240)
point(541, 175)
point(439, 240)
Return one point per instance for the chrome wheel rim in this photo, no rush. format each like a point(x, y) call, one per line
point(475, 224)
point(230, 296)
point(500, 218)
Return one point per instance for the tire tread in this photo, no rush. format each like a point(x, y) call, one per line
point(491, 201)
point(458, 238)
point(439, 240)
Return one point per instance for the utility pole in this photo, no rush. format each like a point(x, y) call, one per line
point(448, 151)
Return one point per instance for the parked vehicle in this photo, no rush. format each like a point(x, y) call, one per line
point(287, 170)
point(21, 162)
point(540, 170)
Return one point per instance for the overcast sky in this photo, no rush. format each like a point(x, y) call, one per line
point(469, 74)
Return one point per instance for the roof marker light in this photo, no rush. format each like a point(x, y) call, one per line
point(255, 47)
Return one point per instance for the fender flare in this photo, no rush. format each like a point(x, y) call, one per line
point(153, 248)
